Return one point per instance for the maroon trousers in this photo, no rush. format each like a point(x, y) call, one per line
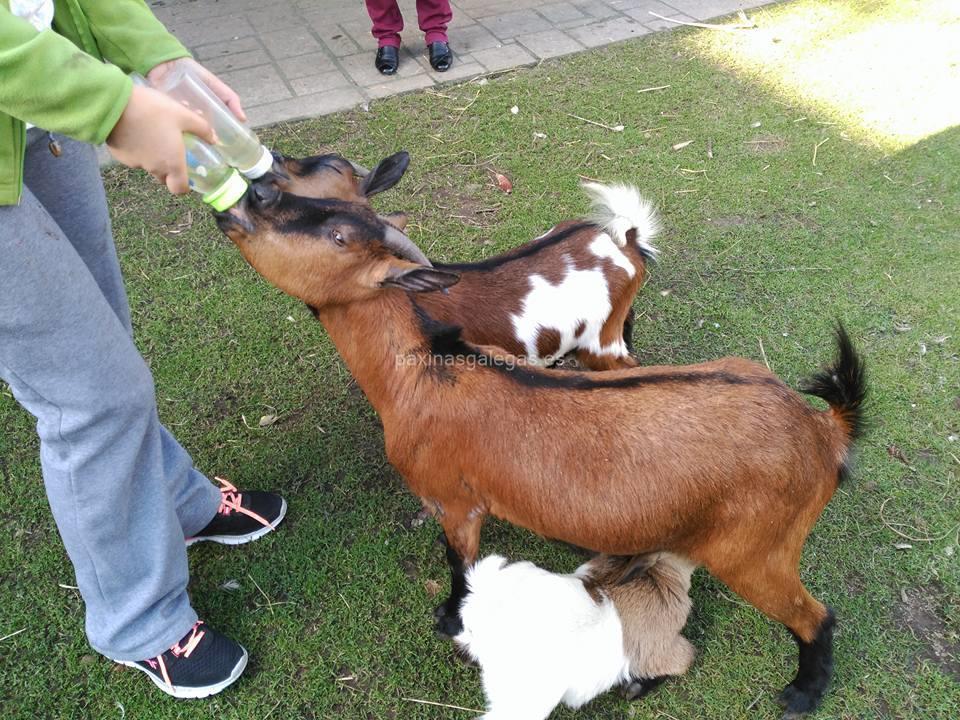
point(433, 16)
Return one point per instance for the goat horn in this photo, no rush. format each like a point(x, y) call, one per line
point(404, 246)
point(358, 170)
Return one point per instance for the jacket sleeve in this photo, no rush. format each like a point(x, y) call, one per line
point(50, 82)
point(129, 35)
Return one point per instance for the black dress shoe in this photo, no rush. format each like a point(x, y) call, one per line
point(388, 58)
point(440, 56)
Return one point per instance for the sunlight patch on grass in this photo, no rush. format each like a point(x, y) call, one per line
point(888, 70)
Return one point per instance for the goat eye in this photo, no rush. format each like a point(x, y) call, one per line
point(338, 238)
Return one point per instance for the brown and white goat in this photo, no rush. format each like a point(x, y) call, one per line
point(542, 638)
point(719, 463)
point(569, 290)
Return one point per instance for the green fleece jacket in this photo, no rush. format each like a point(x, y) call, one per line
point(57, 80)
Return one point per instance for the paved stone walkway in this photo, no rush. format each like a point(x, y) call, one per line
point(291, 59)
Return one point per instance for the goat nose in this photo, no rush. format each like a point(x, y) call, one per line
point(265, 194)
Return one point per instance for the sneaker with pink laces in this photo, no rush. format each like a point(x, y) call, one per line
point(203, 663)
point(242, 516)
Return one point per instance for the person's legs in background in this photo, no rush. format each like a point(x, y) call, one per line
point(387, 24)
point(433, 17)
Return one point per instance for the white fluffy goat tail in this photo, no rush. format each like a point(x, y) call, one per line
point(619, 209)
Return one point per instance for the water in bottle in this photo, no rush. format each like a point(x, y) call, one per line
point(236, 142)
point(221, 185)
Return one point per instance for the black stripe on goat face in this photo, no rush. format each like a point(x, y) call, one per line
point(321, 163)
point(296, 215)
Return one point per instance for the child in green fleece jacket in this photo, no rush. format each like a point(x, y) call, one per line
point(125, 495)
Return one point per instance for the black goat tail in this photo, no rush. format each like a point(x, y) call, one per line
point(843, 384)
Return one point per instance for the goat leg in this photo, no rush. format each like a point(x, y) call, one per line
point(638, 688)
point(447, 614)
point(461, 524)
point(628, 330)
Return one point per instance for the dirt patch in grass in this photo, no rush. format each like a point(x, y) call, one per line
point(766, 144)
point(731, 221)
point(467, 205)
point(918, 613)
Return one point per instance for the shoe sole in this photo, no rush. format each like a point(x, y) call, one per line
point(193, 693)
point(243, 539)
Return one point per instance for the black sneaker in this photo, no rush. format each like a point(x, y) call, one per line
point(203, 663)
point(242, 517)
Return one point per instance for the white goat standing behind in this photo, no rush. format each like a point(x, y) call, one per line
point(542, 638)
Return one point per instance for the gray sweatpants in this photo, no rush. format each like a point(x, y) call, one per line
point(123, 492)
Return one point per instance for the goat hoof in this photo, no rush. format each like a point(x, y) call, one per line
point(641, 687)
point(447, 623)
point(797, 702)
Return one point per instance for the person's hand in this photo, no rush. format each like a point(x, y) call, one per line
point(149, 135)
point(220, 88)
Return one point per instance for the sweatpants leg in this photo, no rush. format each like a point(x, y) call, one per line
point(84, 219)
point(387, 21)
point(67, 354)
point(433, 17)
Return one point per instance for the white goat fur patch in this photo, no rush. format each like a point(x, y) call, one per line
point(584, 295)
point(540, 639)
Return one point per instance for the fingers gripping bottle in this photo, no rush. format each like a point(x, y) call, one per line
point(221, 185)
point(236, 142)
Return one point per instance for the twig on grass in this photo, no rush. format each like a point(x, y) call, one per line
point(750, 706)
point(816, 148)
point(777, 270)
point(443, 705)
point(744, 24)
point(651, 89)
point(13, 634)
point(467, 107)
point(763, 352)
point(612, 128)
point(270, 603)
point(890, 526)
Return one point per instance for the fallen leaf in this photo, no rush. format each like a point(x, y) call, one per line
point(903, 546)
point(514, 110)
point(681, 145)
point(896, 453)
point(432, 587)
point(503, 182)
point(268, 420)
point(230, 585)
point(540, 136)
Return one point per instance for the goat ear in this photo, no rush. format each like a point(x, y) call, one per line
point(397, 219)
point(417, 278)
point(386, 174)
point(637, 567)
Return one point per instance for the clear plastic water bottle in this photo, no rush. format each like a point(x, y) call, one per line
point(221, 185)
point(236, 142)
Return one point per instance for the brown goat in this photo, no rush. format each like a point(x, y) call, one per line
point(570, 290)
point(719, 463)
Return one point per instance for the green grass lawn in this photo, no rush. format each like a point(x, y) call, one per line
point(763, 247)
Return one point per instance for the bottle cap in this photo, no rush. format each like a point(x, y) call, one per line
point(262, 165)
point(227, 194)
